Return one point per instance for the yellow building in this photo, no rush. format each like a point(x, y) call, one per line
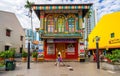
point(108, 29)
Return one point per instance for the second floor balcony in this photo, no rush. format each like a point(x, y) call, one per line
point(61, 35)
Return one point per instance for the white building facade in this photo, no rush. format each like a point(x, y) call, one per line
point(12, 34)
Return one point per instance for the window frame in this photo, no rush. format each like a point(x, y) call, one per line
point(112, 35)
point(21, 38)
point(8, 32)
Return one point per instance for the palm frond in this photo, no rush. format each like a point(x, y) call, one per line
point(29, 4)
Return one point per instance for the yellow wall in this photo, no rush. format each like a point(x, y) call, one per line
point(108, 24)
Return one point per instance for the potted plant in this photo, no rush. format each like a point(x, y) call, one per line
point(2, 55)
point(24, 56)
point(34, 56)
point(2, 65)
point(10, 55)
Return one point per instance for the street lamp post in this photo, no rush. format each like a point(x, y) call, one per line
point(30, 40)
point(28, 62)
point(32, 25)
point(97, 52)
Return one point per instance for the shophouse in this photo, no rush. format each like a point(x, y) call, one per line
point(61, 28)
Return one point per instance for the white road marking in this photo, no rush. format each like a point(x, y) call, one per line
point(110, 71)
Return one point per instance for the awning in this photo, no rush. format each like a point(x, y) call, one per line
point(8, 44)
point(9, 28)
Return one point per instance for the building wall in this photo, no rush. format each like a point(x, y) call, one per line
point(107, 25)
point(67, 47)
point(62, 25)
point(9, 21)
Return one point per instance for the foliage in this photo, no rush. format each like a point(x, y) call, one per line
point(5, 54)
point(8, 53)
point(115, 56)
point(13, 50)
point(2, 54)
point(34, 54)
point(2, 63)
point(24, 54)
point(89, 13)
point(29, 5)
point(11, 53)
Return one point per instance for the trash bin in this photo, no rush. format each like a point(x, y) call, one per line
point(10, 65)
point(82, 57)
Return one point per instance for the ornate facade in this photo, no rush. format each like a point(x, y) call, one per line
point(61, 28)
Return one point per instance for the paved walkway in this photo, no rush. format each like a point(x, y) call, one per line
point(49, 69)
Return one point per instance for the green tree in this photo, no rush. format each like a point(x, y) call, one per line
point(28, 5)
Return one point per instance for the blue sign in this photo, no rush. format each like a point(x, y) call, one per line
point(40, 50)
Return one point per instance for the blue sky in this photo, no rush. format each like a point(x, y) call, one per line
point(17, 6)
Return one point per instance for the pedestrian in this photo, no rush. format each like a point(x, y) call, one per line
point(94, 57)
point(59, 59)
point(101, 57)
point(89, 54)
point(59, 53)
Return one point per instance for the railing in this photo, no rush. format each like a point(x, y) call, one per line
point(55, 35)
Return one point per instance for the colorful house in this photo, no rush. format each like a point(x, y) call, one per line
point(61, 28)
point(108, 32)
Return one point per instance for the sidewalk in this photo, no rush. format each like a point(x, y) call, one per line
point(49, 69)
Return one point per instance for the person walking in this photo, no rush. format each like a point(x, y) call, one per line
point(89, 54)
point(94, 57)
point(59, 59)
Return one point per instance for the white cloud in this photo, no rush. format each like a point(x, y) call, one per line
point(107, 6)
point(17, 7)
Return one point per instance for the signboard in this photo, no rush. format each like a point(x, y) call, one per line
point(40, 45)
point(49, 40)
point(50, 49)
point(82, 51)
point(114, 41)
point(65, 40)
point(70, 49)
point(82, 48)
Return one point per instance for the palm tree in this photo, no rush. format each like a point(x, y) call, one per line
point(89, 13)
point(28, 5)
